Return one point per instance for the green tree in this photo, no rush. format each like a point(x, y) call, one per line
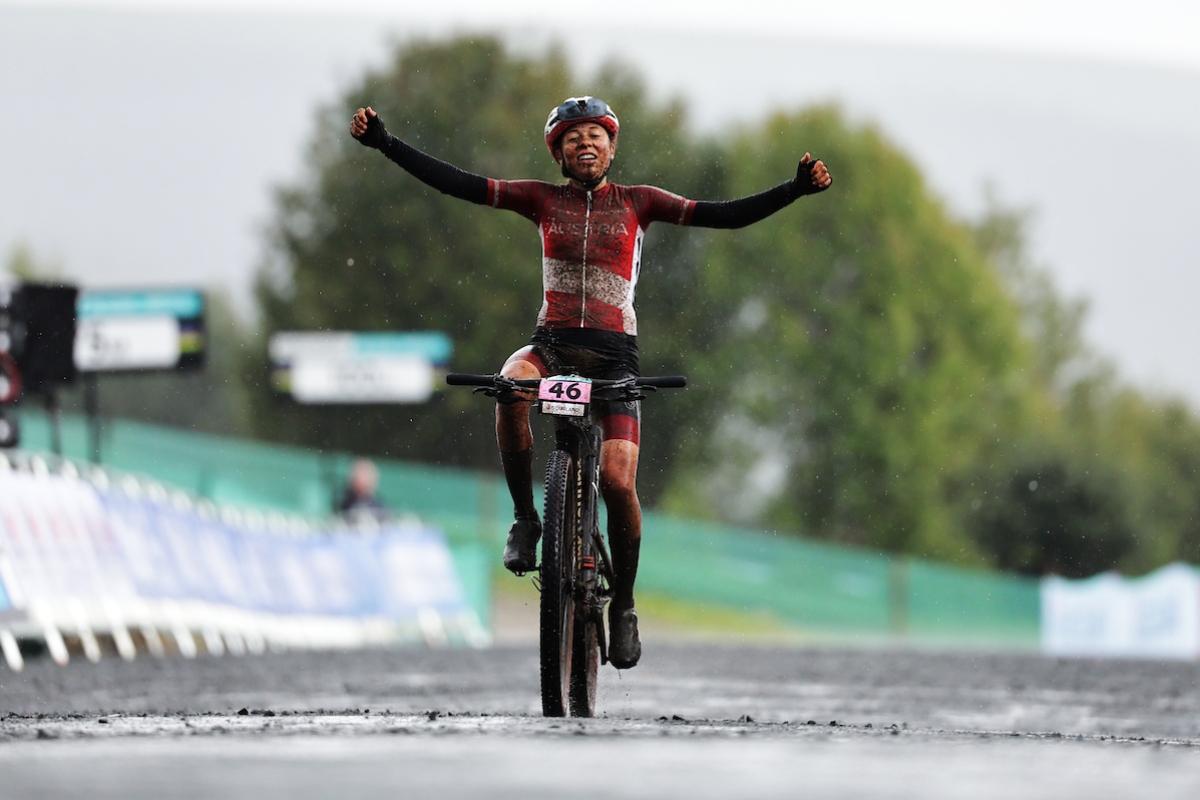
point(1148, 450)
point(1161, 441)
point(361, 245)
point(864, 367)
point(869, 356)
point(1117, 470)
point(1053, 517)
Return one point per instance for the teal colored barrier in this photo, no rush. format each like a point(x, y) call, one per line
point(807, 584)
point(944, 603)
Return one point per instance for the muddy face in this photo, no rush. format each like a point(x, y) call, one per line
point(587, 151)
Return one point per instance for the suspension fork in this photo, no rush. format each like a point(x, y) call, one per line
point(589, 555)
point(589, 482)
point(593, 562)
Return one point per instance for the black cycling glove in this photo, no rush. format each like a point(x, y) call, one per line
point(803, 183)
point(376, 135)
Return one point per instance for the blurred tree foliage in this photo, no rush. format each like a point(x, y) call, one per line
point(363, 246)
point(1109, 476)
point(26, 265)
point(866, 368)
point(870, 356)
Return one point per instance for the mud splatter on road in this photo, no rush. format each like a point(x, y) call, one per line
point(703, 721)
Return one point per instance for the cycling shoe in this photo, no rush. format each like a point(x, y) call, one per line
point(520, 554)
point(624, 646)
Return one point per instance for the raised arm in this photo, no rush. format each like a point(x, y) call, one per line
point(811, 177)
point(368, 129)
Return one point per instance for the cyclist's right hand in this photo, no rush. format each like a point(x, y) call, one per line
point(812, 176)
point(367, 127)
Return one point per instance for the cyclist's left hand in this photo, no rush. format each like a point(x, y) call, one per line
point(367, 127)
point(812, 176)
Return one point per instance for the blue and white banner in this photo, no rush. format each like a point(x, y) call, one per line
point(1155, 616)
point(74, 556)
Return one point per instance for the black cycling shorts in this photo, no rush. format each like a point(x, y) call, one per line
point(604, 355)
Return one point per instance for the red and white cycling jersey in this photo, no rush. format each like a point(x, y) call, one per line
point(591, 246)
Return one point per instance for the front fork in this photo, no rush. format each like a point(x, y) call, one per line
point(591, 557)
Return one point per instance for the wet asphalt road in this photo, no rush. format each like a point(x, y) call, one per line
point(692, 720)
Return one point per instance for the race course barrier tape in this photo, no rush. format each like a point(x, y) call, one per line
point(85, 560)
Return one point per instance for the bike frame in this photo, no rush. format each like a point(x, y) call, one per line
point(576, 572)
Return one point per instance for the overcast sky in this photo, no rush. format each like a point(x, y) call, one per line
point(127, 149)
point(1152, 31)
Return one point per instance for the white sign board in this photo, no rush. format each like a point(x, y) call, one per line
point(357, 368)
point(140, 330)
point(395, 379)
point(1156, 616)
point(127, 343)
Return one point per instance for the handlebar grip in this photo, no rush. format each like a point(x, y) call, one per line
point(463, 379)
point(665, 382)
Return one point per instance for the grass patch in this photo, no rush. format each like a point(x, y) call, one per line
point(669, 617)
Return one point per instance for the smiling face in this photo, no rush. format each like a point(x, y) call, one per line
point(586, 150)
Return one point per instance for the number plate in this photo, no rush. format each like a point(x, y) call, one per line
point(563, 409)
point(566, 390)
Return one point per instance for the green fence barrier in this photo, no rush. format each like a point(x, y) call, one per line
point(945, 604)
point(837, 591)
point(821, 588)
point(804, 583)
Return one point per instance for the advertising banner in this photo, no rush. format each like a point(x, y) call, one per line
point(63, 541)
point(1155, 616)
point(323, 368)
point(135, 331)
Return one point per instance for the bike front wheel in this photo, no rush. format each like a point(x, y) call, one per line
point(585, 666)
point(557, 608)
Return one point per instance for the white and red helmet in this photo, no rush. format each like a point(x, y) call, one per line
point(580, 109)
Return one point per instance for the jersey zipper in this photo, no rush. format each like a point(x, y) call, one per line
point(587, 228)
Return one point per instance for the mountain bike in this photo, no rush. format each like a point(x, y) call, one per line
point(575, 575)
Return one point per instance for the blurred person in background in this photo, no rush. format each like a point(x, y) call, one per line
point(591, 233)
point(360, 497)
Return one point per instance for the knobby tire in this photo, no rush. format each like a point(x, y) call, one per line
point(557, 610)
point(585, 664)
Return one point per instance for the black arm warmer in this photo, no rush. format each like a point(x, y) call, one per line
point(748, 210)
point(745, 210)
point(446, 178)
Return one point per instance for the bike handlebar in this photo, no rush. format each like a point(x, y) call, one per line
point(664, 382)
point(463, 379)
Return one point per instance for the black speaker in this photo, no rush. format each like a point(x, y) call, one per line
point(43, 334)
